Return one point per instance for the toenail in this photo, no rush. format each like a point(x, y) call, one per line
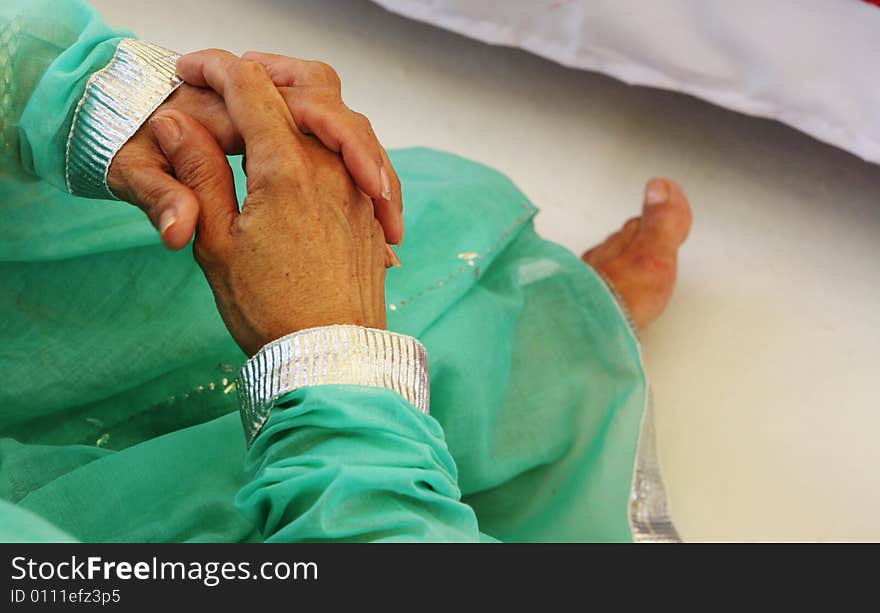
point(656, 192)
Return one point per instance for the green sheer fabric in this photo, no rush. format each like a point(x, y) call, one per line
point(118, 420)
point(34, 120)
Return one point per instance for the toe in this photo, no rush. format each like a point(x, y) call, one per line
point(666, 217)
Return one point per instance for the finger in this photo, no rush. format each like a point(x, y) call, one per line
point(389, 210)
point(255, 107)
point(349, 133)
point(340, 129)
point(172, 207)
point(201, 165)
point(209, 109)
point(288, 71)
point(326, 116)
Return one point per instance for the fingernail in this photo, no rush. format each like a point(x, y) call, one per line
point(167, 132)
point(166, 220)
point(656, 192)
point(385, 183)
point(391, 257)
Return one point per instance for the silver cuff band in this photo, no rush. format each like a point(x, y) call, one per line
point(350, 355)
point(116, 102)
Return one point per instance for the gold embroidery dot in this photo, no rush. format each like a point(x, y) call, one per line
point(393, 307)
point(467, 255)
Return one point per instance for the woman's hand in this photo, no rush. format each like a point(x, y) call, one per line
point(141, 174)
point(306, 249)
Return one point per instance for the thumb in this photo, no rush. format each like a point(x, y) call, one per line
point(199, 164)
point(172, 208)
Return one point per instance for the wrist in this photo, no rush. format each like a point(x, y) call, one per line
point(252, 337)
point(331, 355)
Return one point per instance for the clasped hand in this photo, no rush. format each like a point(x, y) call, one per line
point(313, 95)
point(306, 249)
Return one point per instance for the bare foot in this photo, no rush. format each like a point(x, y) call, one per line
point(640, 259)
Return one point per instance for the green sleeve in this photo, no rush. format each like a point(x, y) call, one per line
point(48, 51)
point(353, 463)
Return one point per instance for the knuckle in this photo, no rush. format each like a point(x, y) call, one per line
point(361, 119)
point(195, 170)
point(248, 71)
point(362, 123)
point(222, 54)
point(286, 178)
point(214, 54)
point(324, 73)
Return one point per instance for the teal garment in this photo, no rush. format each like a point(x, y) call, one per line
point(36, 108)
point(20, 526)
point(118, 418)
point(353, 463)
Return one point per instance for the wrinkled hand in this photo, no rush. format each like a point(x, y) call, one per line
point(306, 249)
point(141, 174)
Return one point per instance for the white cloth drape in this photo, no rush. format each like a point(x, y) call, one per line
point(813, 64)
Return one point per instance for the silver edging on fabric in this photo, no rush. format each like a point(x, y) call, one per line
point(327, 355)
point(648, 508)
point(648, 511)
point(116, 102)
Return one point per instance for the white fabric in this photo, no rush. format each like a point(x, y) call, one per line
point(813, 64)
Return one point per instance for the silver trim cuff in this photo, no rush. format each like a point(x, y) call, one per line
point(327, 355)
point(117, 100)
point(649, 517)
